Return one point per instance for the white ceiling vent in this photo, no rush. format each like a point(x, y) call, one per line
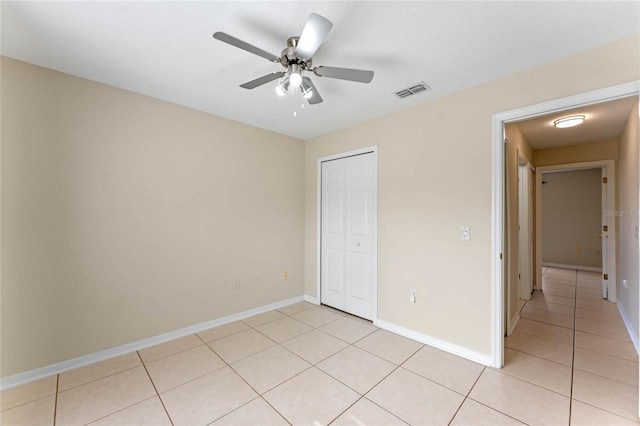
point(412, 90)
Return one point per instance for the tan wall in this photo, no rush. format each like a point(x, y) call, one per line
point(571, 217)
point(434, 176)
point(124, 217)
point(596, 151)
point(517, 146)
point(628, 205)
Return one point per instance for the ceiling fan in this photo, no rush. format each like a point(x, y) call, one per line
point(297, 59)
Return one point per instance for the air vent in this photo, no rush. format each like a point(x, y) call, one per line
point(416, 88)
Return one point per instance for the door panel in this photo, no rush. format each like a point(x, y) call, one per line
point(358, 276)
point(358, 210)
point(332, 270)
point(347, 235)
point(335, 268)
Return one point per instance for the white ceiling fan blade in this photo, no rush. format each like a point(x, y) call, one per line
point(245, 46)
point(262, 80)
point(315, 96)
point(313, 34)
point(361, 76)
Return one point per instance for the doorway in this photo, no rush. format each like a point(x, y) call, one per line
point(498, 195)
point(347, 211)
point(589, 242)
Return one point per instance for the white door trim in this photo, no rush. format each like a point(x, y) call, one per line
point(497, 193)
point(374, 151)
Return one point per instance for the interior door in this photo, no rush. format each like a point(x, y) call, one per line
point(524, 273)
point(604, 237)
point(525, 229)
point(347, 264)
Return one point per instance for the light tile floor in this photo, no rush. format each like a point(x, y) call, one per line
point(312, 365)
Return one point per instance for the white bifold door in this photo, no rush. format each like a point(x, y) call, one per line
point(347, 252)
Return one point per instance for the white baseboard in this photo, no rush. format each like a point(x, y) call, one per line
point(627, 322)
point(310, 299)
point(435, 342)
point(61, 367)
point(578, 267)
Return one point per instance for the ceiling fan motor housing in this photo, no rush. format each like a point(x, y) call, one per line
point(289, 57)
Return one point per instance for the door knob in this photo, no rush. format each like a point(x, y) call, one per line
point(357, 243)
point(598, 236)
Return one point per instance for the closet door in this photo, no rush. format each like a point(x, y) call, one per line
point(347, 235)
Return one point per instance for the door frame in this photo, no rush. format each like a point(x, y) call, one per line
point(374, 255)
point(498, 196)
point(610, 205)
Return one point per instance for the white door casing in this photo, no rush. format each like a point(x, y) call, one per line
point(347, 234)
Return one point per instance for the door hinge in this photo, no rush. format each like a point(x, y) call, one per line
point(606, 276)
point(518, 276)
point(605, 228)
point(500, 256)
point(604, 180)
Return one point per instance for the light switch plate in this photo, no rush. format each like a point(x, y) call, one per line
point(465, 233)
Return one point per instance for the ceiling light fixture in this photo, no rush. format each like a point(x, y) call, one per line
point(294, 75)
point(282, 87)
point(569, 121)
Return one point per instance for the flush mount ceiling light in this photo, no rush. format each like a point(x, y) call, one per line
point(569, 121)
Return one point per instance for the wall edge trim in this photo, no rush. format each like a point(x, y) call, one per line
point(629, 326)
point(435, 342)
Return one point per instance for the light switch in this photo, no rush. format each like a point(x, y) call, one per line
point(465, 233)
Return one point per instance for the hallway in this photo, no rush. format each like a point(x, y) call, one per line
point(571, 341)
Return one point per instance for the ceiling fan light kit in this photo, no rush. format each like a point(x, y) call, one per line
point(297, 59)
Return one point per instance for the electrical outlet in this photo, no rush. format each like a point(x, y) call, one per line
point(465, 233)
point(578, 250)
point(414, 296)
point(285, 275)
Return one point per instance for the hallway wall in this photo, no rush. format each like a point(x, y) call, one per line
point(516, 146)
point(627, 216)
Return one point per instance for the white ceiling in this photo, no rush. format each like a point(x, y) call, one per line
point(166, 50)
point(603, 121)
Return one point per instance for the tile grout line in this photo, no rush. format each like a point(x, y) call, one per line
point(154, 388)
point(349, 344)
point(55, 404)
point(247, 383)
point(469, 393)
point(573, 351)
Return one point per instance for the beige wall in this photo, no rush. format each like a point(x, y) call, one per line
point(124, 217)
point(628, 204)
point(434, 176)
point(571, 217)
point(516, 146)
point(596, 151)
